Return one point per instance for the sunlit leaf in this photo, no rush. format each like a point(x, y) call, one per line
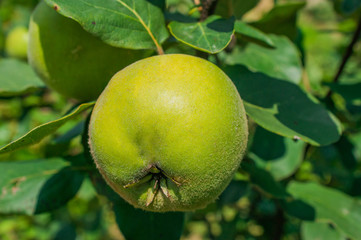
point(40, 132)
point(281, 19)
point(30, 187)
point(17, 77)
point(331, 206)
point(278, 155)
point(282, 62)
point(315, 230)
point(251, 34)
point(283, 108)
point(134, 24)
point(211, 35)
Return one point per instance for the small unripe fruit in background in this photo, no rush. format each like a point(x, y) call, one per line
point(169, 132)
point(16, 43)
point(70, 60)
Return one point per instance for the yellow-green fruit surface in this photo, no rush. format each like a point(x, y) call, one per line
point(70, 60)
point(169, 132)
point(16, 43)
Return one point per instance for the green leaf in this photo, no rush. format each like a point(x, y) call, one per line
point(282, 62)
point(17, 78)
point(281, 19)
point(278, 155)
point(264, 180)
point(30, 187)
point(251, 34)
point(139, 224)
point(133, 24)
point(350, 6)
point(234, 191)
point(227, 8)
point(61, 144)
point(298, 209)
point(40, 132)
point(332, 206)
point(153, 226)
point(211, 35)
point(314, 230)
point(283, 108)
point(349, 92)
point(346, 150)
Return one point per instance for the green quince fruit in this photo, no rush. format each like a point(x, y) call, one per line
point(69, 59)
point(169, 132)
point(16, 43)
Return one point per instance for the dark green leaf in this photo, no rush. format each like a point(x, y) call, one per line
point(350, 6)
point(40, 132)
point(211, 35)
point(251, 34)
point(299, 209)
point(346, 151)
point(139, 224)
point(72, 133)
point(178, 17)
point(16, 78)
point(331, 206)
point(349, 92)
point(264, 180)
point(283, 108)
point(227, 8)
point(67, 231)
point(278, 155)
point(234, 191)
point(315, 230)
point(281, 19)
point(159, 3)
point(153, 226)
point(134, 24)
point(31, 187)
point(60, 145)
point(282, 62)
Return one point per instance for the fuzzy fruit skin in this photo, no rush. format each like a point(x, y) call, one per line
point(179, 113)
point(70, 60)
point(16, 43)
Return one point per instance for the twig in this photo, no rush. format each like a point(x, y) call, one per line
point(347, 55)
point(279, 224)
point(208, 7)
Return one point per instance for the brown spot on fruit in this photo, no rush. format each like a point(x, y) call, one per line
point(56, 7)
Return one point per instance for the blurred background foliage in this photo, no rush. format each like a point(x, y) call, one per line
point(255, 205)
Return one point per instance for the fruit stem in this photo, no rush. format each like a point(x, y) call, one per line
point(159, 49)
point(158, 182)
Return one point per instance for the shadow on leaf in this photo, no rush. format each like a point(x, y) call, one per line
point(282, 107)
